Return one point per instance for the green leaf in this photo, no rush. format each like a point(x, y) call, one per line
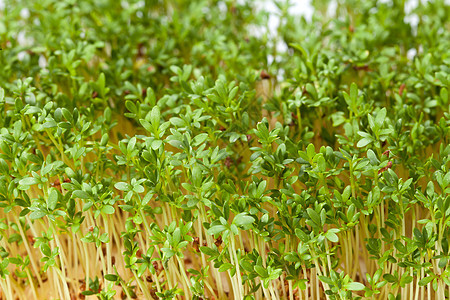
point(196, 176)
point(321, 163)
point(243, 219)
point(52, 199)
point(311, 91)
point(216, 229)
point(111, 277)
point(389, 278)
point(138, 189)
point(372, 157)
point(261, 271)
point(156, 144)
point(443, 262)
point(146, 124)
point(142, 268)
point(178, 122)
point(209, 251)
point(444, 96)
point(425, 280)
point(37, 214)
point(246, 265)
point(200, 139)
point(261, 188)
point(301, 235)
point(122, 186)
point(131, 145)
point(108, 210)
point(155, 116)
point(381, 116)
point(314, 216)
point(326, 280)
point(176, 237)
point(355, 286)
point(224, 267)
point(168, 253)
point(299, 48)
point(310, 151)
point(332, 237)
point(29, 181)
point(80, 194)
point(301, 284)
point(364, 142)
point(45, 249)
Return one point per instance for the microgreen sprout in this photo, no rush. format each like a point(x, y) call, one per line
point(188, 150)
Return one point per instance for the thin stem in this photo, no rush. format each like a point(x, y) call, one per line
point(30, 254)
point(5, 290)
point(238, 271)
point(143, 288)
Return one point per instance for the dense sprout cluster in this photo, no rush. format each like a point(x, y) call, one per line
point(161, 149)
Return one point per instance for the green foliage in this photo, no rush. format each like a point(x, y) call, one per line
point(164, 150)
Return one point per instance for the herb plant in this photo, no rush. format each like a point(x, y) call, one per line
point(182, 150)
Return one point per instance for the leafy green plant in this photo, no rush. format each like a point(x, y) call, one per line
point(186, 150)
